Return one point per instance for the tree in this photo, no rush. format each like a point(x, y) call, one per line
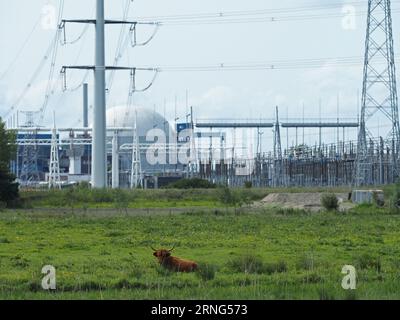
point(8, 186)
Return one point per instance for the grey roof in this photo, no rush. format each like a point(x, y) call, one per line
point(121, 116)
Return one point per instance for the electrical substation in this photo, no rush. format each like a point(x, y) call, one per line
point(117, 149)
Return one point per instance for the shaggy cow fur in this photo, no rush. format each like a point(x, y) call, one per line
point(173, 263)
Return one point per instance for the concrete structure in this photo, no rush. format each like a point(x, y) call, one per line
point(367, 196)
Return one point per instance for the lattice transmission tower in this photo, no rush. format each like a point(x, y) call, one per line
point(379, 95)
point(54, 166)
point(29, 170)
point(278, 160)
point(136, 168)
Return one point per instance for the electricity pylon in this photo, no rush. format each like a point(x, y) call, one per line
point(29, 169)
point(136, 169)
point(379, 96)
point(99, 150)
point(54, 167)
point(278, 165)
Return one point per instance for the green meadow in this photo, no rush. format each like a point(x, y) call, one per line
point(245, 253)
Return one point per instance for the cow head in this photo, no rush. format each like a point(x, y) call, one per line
point(162, 253)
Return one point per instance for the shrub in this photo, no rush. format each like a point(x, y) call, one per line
point(329, 201)
point(4, 240)
point(102, 196)
point(194, 183)
point(84, 185)
point(9, 189)
point(225, 195)
point(230, 197)
point(206, 271)
point(395, 198)
point(248, 264)
point(313, 278)
point(121, 200)
point(248, 184)
point(276, 267)
point(122, 284)
point(379, 202)
point(164, 272)
point(306, 262)
point(367, 261)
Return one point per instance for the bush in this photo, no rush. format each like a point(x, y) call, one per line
point(4, 240)
point(84, 185)
point(366, 261)
point(306, 262)
point(9, 189)
point(102, 196)
point(248, 185)
point(248, 264)
point(378, 200)
point(121, 200)
point(329, 201)
point(276, 267)
point(230, 197)
point(395, 198)
point(206, 271)
point(194, 183)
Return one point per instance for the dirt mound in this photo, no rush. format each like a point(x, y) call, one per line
point(310, 201)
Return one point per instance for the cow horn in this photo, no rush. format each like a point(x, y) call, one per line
point(171, 249)
point(153, 248)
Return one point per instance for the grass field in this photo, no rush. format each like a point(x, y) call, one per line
point(80, 198)
point(265, 254)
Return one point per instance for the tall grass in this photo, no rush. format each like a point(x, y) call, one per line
point(79, 197)
point(247, 256)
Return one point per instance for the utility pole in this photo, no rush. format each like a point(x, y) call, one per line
point(99, 151)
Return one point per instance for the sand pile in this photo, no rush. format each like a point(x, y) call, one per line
point(298, 200)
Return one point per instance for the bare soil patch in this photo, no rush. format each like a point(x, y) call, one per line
point(306, 201)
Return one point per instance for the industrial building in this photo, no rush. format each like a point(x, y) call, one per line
point(120, 148)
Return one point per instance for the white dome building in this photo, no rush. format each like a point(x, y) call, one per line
point(124, 117)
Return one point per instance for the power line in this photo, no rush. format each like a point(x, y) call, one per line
point(271, 65)
point(51, 52)
point(251, 12)
point(283, 18)
point(49, 90)
point(253, 16)
point(21, 50)
point(121, 47)
point(80, 36)
point(33, 77)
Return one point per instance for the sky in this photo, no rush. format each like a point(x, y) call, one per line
point(24, 24)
